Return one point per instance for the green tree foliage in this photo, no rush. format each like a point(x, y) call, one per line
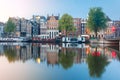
point(66, 23)
point(118, 55)
point(96, 20)
point(10, 26)
point(96, 64)
point(10, 53)
point(66, 59)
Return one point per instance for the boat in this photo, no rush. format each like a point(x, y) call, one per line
point(16, 39)
point(74, 45)
point(73, 39)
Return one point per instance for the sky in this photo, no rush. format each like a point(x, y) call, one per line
point(76, 8)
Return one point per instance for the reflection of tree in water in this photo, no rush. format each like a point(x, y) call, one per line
point(10, 53)
point(118, 56)
point(66, 59)
point(96, 63)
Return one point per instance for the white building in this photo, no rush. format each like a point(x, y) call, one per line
point(53, 33)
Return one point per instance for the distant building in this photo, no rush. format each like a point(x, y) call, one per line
point(29, 28)
point(77, 22)
point(43, 25)
point(35, 25)
point(35, 29)
point(107, 31)
point(116, 23)
point(115, 29)
point(83, 26)
point(23, 27)
point(43, 28)
point(52, 26)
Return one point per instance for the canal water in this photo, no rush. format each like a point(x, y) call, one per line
point(36, 61)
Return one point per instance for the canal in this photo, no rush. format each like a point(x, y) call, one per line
point(36, 61)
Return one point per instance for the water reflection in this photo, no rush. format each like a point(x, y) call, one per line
point(99, 57)
point(10, 53)
point(66, 58)
point(96, 63)
point(96, 57)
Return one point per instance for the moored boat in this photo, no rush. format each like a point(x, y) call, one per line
point(73, 39)
point(16, 39)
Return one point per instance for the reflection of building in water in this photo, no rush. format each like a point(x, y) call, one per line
point(22, 53)
point(83, 54)
point(43, 52)
point(76, 51)
point(52, 54)
point(25, 52)
point(1, 50)
point(35, 51)
point(78, 55)
point(52, 58)
point(108, 52)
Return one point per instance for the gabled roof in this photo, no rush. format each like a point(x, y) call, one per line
point(56, 17)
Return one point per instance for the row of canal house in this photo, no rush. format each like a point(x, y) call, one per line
point(37, 26)
point(45, 28)
point(113, 30)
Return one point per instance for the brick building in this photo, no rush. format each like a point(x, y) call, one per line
point(52, 26)
point(77, 22)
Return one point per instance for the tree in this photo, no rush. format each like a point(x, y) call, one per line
point(96, 20)
point(96, 63)
point(10, 26)
point(66, 59)
point(10, 53)
point(66, 23)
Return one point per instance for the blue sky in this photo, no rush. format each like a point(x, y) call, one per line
point(76, 8)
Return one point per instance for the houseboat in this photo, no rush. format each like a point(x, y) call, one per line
point(73, 39)
point(74, 45)
point(15, 39)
